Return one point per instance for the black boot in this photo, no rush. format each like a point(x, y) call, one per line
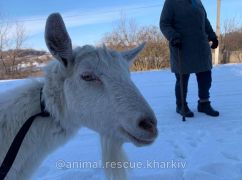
point(188, 112)
point(205, 107)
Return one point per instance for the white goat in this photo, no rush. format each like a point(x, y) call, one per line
point(88, 87)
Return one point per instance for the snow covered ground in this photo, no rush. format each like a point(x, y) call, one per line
point(203, 148)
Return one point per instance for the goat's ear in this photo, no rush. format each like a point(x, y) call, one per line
point(57, 39)
point(131, 54)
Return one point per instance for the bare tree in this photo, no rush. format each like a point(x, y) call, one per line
point(127, 34)
point(4, 41)
point(18, 38)
point(156, 53)
point(12, 38)
point(123, 34)
point(231, 39)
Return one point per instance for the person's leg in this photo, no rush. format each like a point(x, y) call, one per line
point(204, 80)
point(185, 77)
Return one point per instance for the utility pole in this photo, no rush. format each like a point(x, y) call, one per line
point(217, 32)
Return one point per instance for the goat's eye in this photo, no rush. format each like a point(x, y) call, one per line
point(87, 76)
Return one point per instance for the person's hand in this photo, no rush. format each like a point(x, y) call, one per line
point(214, 43)
point(176, 42)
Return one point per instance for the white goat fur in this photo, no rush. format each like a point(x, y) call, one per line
point(74, 103)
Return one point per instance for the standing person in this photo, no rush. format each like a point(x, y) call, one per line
point(184, 23)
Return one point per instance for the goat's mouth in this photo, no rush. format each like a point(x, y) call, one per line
point(136, 140)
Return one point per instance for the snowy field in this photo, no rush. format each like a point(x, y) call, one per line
point(203, 148)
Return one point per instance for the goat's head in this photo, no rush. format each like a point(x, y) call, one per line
point(98, 91)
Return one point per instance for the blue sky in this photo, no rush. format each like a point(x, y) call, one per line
point(88, 21)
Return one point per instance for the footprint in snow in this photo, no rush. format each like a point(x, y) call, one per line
point(177, 150)
point(196, 139)
point(230, 156)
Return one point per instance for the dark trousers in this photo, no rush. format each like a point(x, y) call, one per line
point(204, 80)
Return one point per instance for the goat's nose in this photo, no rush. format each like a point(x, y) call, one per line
point(148, 125)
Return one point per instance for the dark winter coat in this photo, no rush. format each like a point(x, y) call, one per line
point(179, 18)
